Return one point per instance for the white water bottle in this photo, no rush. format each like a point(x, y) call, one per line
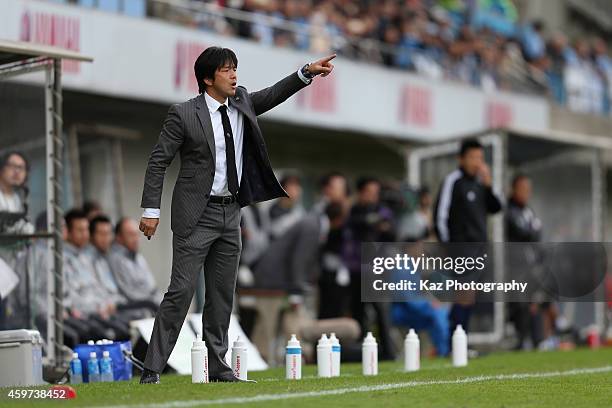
point(412, 352)
point(460, 357)
point(239, 359)
point(335, 355)
point(369, 355)
point(293, 359)
point(324, 357)
point(199, 361)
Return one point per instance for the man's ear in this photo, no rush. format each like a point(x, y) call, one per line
point(208, 81)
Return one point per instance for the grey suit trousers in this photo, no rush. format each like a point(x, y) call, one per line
point(215, 243)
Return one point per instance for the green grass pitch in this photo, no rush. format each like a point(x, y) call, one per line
point(580, 378)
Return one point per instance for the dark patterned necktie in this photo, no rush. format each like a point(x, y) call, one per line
point(230, 153)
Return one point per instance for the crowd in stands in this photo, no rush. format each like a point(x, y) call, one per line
point(479, 42)
point(484, 43)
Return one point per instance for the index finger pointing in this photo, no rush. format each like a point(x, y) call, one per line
point(329, 58)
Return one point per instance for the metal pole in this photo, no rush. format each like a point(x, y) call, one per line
point(598, 196)
point(50, 270)
point(57, 210)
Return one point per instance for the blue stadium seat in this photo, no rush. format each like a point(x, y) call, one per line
point(135, 8)
point(112, 6)
point(87, 3)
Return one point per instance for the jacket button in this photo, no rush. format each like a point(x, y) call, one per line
point(206, 196)
point(212, 173)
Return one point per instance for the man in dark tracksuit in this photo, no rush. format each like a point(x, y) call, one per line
point(460, 214)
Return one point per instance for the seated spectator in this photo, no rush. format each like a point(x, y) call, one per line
point(131, 270)
point(101, 237)
point(585, 87)
point(603, 62)
point(533, 40)
point(88, 311)
point(101, 232)
point(286, 211)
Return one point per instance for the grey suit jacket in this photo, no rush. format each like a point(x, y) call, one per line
point(291, 261)
point(188, 131)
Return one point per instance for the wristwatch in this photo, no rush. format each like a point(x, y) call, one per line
point(307, 74)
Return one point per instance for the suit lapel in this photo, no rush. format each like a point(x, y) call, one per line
point(239, 103)
point(204, 117)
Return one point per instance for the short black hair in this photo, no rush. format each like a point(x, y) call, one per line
point(73, 215)
point(98, 219)
point(6, 156)
point(210, 61)
point(362, 182)
point(519, 177)
point(326, 179)
point(91, 205)
point(290, 178)
point(469, 144)
point(119, 225)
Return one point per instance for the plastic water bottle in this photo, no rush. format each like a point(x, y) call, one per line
point(369, 355)
point(76, 369)
point(412, 352)
point(460, 357)
point(93, 369)
point(293, 359)
point(106, 367)
point(199, 361)
point(335, 352)
point(324, 357)
point(239, 359)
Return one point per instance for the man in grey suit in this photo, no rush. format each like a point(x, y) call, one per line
point(224, 166)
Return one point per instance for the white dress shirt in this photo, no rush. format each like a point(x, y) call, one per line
point(236, 118)
point(219, 187)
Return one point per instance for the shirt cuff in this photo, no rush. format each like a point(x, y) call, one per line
point(151, 213)
point(303, 78)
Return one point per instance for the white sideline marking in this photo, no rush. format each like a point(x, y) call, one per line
point(365, 388)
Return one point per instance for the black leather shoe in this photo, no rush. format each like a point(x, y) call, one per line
point(149, 377)
point(229, 378)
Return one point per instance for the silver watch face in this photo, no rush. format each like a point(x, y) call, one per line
point(305, 71)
